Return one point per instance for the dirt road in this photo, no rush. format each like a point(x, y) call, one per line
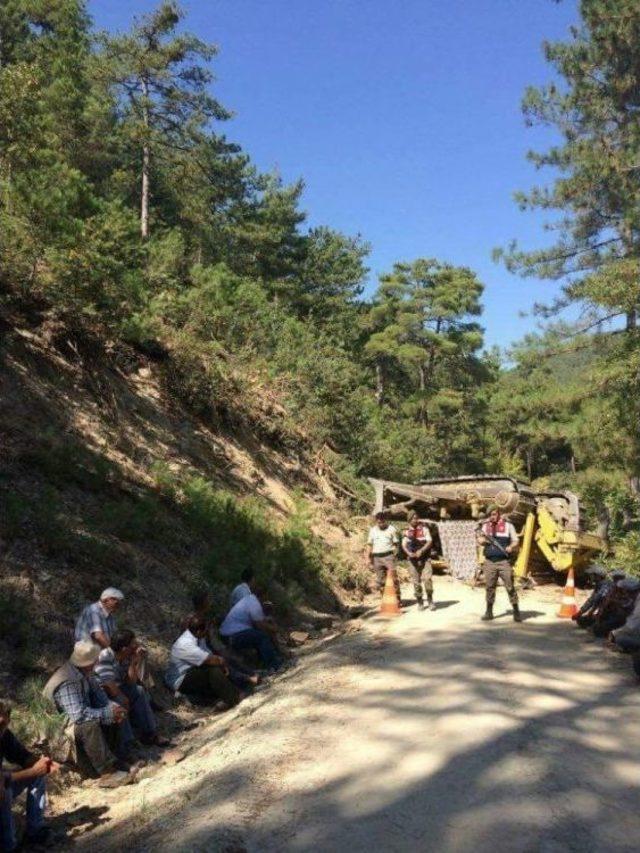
point(432, 732)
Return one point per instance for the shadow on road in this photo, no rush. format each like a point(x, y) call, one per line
point(520, 738)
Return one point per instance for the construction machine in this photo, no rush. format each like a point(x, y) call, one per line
point(549, 525)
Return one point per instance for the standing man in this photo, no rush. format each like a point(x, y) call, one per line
point(499, 540)
point(382, 545)
point(97, 621)
point(416, 543)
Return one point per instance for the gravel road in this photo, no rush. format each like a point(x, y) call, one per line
point(428, 732)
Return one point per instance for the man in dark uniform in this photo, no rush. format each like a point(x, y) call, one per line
point(499, 540)
point(416, 544)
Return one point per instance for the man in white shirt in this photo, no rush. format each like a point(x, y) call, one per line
point(246, 627)
point(382, 544)
point(195, 671)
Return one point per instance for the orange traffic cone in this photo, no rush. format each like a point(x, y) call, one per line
point(390, 605)
point(568, 607)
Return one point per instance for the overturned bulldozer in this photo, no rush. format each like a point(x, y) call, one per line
point(552, 538)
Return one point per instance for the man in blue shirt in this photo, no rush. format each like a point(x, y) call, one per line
point(246, 627)
point(97, 622)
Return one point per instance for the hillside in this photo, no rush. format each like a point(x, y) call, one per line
point(105, 478)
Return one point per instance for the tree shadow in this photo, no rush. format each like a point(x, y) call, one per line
point(514, 739)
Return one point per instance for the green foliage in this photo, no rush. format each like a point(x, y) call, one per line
point(596, 191)
point(35, 719)
point(627, 553)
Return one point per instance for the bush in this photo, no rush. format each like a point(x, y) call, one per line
point(627, 553)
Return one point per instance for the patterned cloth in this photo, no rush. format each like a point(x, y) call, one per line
point(109, 669)
point(94, 618)
point(83, 701)
point(459, 547)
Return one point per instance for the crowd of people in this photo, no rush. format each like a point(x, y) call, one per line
point(102, 690)
point(102, 694)
point(612, 611)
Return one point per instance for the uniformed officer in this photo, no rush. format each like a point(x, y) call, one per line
point(416, 543)
point(499, 540)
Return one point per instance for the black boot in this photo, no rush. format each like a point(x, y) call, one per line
point(420, 604)
point(430, 601)
point(488, 616)
point(516, 613)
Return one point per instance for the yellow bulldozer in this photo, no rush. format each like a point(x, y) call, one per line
point(552, 538)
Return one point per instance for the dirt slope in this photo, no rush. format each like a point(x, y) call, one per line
point(430, 732)
point(94, 452)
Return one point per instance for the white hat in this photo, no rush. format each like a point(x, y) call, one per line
point(85, 653)
point(112, 592)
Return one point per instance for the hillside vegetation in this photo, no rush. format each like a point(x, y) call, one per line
point(181, 354)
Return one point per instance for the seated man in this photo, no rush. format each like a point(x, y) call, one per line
point(30, 778)
point(97, 622)
point(94, 720)
point(586, 616)
point(195, 671)
point(246, 627)
point(243, 588)
point(118, 671)
point(239, 674)
point(615, 608)
point(627, 638)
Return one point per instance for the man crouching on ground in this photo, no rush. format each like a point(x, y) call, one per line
point(499, 540)
point(94, 721)
point(30, 778)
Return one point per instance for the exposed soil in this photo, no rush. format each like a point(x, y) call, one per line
point(431, 731)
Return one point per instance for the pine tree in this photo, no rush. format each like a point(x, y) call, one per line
point(162, 88)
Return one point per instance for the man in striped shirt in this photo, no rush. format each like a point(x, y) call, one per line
point(97, 621)
point(118, 672)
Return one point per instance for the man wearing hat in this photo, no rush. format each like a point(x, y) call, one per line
point(586, 616)
point(499, 541)
point(93, 721)
point(97, 622)
point(382, 544)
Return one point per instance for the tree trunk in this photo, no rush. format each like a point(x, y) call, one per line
point(529, 458)
point(379, 384)
point(146, 165)
point(604, 522)
point(424, 419)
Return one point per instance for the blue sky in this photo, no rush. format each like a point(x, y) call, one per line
point(402, 116)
